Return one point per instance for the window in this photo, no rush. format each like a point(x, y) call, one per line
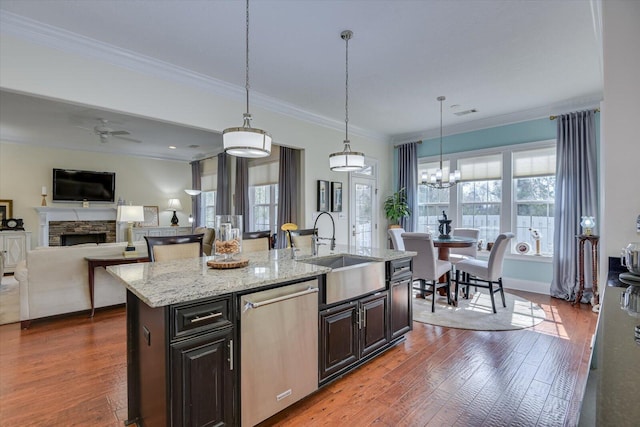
point(505, 188)
point(208, 208)
point(431, 201)
point(481, 195)
point(533, 195)
point(263, 192)
point(263, 202)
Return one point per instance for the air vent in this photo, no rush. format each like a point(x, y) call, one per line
point(465, 112)
point(194, 146)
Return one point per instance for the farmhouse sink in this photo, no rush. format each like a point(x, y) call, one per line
point(336, 261)
point(350, 277)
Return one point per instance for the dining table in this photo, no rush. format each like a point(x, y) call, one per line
point(444, 245)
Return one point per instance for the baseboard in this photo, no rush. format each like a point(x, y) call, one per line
point(526, 285)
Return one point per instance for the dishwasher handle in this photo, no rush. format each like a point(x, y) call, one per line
point(259, 304)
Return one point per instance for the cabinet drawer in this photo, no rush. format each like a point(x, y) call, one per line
point(399, 268)
point(204, 316)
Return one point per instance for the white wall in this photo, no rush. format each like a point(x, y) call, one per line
point(34, 69)
point(25, 169)
point(620, 145)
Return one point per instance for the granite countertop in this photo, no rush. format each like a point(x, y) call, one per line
point(171, 282)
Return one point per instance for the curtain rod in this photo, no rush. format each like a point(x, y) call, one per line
point(399, 145)
point(597, 110)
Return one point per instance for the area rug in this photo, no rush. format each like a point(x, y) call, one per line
point(476, 312)
point(9, 300)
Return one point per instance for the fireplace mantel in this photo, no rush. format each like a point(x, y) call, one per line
point(53, 213)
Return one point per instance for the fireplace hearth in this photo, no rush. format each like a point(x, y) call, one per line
point(80, 238)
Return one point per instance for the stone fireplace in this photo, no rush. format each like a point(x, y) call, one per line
point(56, 221)
point(66, 233)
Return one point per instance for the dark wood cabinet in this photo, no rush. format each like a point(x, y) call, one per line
point(399, 279)
point(352, 331)
point(202, 380)
point(180, 364)
point(401, 316)
point(374, 324)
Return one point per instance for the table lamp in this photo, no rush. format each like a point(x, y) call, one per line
point(174, 205)
point(588, 223)
point(130, 214)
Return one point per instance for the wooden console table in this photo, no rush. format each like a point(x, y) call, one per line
point(105, 261)
point(594, 240)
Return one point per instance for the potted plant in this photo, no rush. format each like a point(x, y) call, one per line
point(396, 207)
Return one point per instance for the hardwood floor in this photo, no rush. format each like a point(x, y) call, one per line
point(72, 372)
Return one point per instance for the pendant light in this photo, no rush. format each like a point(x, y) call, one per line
point(246, 141)
point(435, 180)
point(346, 160)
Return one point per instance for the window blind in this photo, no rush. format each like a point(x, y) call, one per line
point(532, 163)
point(209, 174)
point(481, 168)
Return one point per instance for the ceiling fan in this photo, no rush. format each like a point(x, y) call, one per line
point(105, 132)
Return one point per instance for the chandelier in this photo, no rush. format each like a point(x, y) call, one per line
point(435, 180)
point(246, 141)
point(346, 160)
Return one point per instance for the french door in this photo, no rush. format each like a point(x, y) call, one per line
point(363, 220)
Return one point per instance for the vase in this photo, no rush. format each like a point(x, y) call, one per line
point(228, 239)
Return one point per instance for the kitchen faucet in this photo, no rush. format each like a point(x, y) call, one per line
point(314, 241)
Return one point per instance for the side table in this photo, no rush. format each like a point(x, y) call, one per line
point(105, 261)
point(593, 240)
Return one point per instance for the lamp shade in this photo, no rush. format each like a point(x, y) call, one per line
point(174, 205)
point(130, 214)
point(246, 142)
point(346, 161)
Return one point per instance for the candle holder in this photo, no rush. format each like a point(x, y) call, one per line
point(44, 200)
point(445, 226)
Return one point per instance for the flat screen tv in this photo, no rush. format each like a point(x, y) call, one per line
point(76, 185)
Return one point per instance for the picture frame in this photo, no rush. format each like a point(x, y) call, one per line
point(151, 217)
point(336, 196)
point(6, 209)
point(323, 195)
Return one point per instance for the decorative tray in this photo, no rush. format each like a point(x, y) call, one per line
point(232, 263)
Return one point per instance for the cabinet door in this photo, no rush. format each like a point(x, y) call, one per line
point(338, 338)
point(138, 234)
point(374, 310)
point(202, 380)
point(14, 249)
point(401, 308)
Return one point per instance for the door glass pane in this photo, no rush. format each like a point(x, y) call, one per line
point(363, 215)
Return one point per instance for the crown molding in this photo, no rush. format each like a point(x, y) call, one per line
point(57, 38)
point(583, 103)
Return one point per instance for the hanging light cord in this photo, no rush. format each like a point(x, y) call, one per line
point(441, 98)
point(346, 90)
point(246, 84)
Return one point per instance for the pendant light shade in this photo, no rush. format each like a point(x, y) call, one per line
point(246, 141)
point(436, 179)
point(346, 160)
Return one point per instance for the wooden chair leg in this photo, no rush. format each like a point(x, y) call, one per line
point(449, 288)
point(455, 294)
point(504, 303)
point(433, 296)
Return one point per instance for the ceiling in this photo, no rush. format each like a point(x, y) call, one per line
point(509, 60)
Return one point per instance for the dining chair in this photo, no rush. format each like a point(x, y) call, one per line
point(458, 254)
point(302, 238)
point(165, 248)
point(485, 273)
point(254, 241)
point(427, 268)
point(396, 238)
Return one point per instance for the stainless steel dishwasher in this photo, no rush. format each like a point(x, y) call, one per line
point(279, 349)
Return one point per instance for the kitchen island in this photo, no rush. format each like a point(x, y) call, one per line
point(187, 324)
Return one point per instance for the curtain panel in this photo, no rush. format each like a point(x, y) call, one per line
point(576, 196)
point(223, 199)
point(408, 179)
point(242, 192)
point(288, 191)
point(195, 200)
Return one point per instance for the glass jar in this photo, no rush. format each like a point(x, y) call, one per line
point(228, 239)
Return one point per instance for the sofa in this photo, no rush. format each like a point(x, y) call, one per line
point(55, 280)
point(207, 239)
